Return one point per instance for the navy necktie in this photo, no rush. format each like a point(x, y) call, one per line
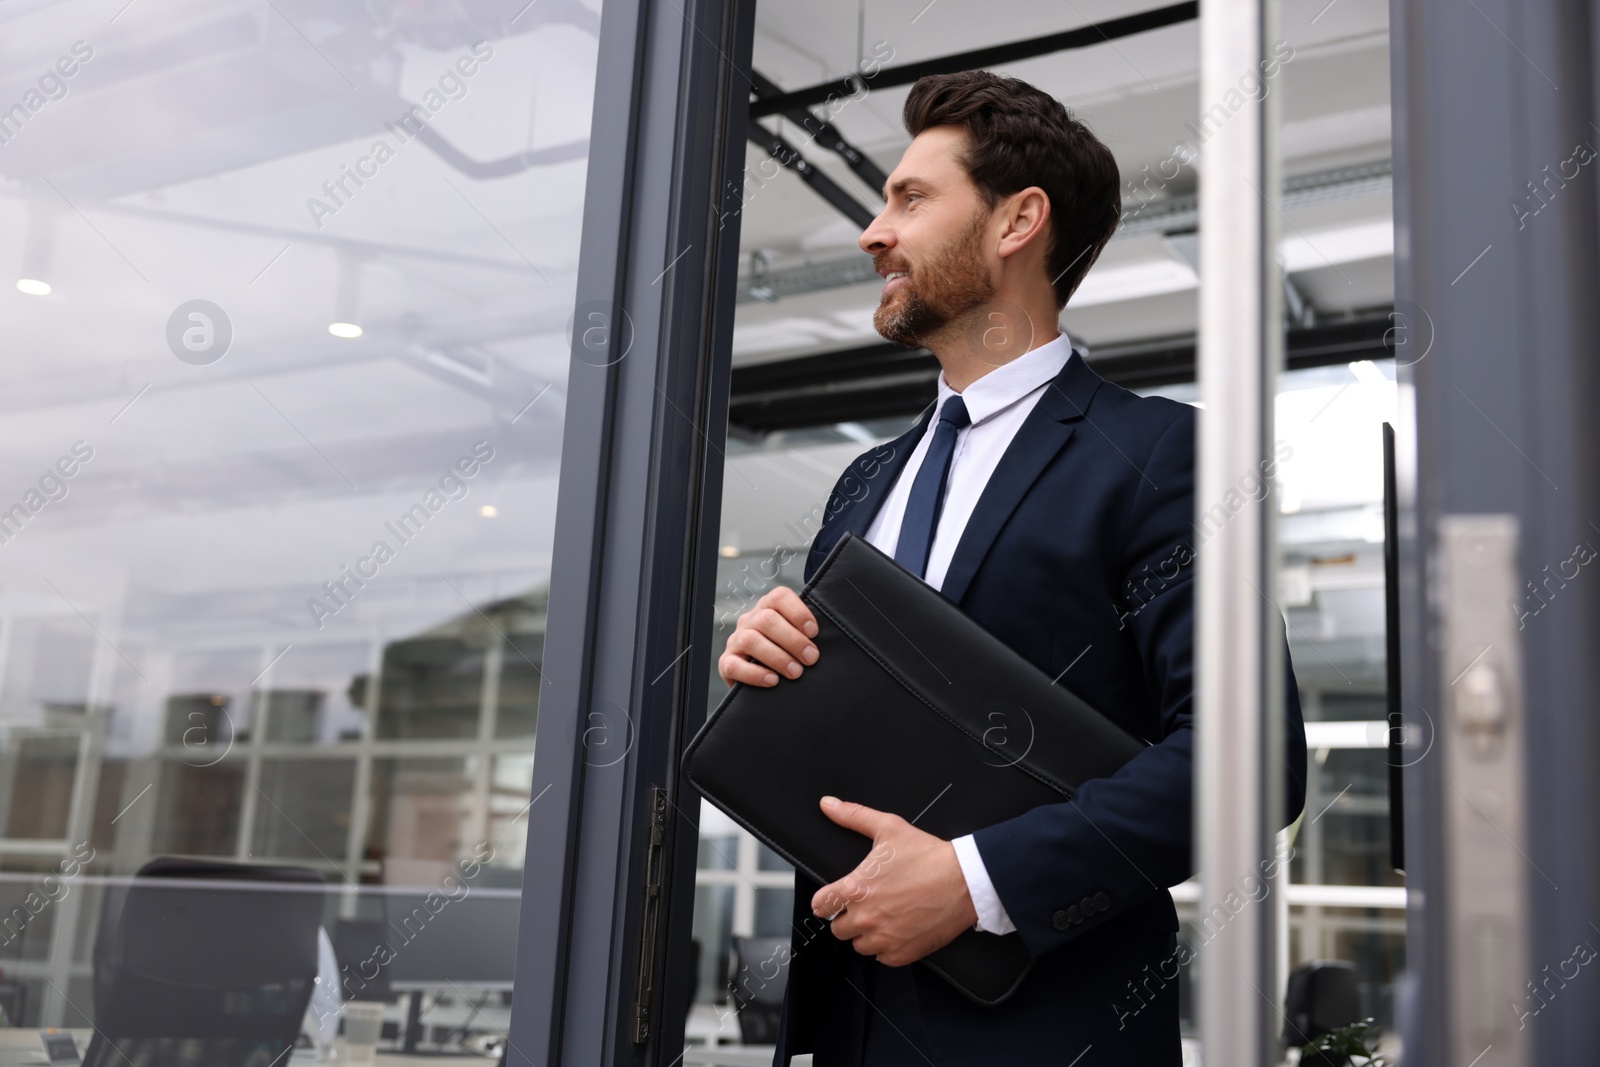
point(927, 491)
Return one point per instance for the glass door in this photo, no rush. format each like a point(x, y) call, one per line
point(288, 324)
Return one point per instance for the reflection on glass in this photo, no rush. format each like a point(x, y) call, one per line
point(289, 288)
point(713, 923)
point(1328, 455)
point(768, 860)
point(1373, 939)
point(508, 808)
point(774, 912)
point(1345, 838)
point(421, 809)
point(39, 768)
point(195, 809)
point(303, 808)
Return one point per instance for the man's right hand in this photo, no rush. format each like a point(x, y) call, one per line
point(771, 639)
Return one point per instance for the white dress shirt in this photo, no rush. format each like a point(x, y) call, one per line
point(998, 403)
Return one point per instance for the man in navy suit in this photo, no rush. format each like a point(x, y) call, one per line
point(1057, 510)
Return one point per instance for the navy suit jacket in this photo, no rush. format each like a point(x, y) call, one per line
point(1080, 556)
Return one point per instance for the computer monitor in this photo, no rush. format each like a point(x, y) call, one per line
point(410, 937)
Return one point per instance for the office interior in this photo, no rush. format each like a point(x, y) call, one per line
point(295, 298)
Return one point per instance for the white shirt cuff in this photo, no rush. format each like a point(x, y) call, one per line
point(992, 917)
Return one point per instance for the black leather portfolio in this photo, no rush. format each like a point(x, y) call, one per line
point(911, 708)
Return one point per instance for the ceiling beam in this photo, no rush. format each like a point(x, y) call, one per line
point(827, 135)
point(883, 380)
point(794, 106)
point(831, 191)
point(980, 58)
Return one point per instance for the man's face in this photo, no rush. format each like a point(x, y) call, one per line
point(932, 231)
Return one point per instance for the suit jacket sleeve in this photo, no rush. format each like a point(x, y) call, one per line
point(1125, 838)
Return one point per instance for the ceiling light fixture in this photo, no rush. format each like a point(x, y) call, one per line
point(38, 248)
point(347, 303)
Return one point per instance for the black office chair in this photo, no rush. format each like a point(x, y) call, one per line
point(360, 946)
point(1322, 997)
point(759, 970)
point(204, 975)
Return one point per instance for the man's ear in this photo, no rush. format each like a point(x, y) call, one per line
point(1027, 213)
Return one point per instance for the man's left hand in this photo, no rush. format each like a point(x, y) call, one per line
point(906, 899)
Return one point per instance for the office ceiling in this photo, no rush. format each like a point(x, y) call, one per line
point(1140, 95)
point(181, 162)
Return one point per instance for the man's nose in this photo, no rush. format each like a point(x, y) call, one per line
point(876, 238)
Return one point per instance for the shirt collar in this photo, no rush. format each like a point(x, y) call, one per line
point(1010, 382)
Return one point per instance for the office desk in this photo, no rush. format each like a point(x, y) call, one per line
point(19, 1047)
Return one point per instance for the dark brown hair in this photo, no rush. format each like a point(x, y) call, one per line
point(1019, 136)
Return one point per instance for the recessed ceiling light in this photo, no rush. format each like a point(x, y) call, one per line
point(344, 329)
point(488, 511)
point(728, 551)
point(33, 286)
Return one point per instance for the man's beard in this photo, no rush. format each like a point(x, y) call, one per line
point(948, 287)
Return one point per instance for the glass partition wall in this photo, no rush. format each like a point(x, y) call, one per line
point(287, 301)
point(1344, 900)
point(814, 386)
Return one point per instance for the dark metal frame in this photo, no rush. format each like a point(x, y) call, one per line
point(1502, 329)
point(609, 881)
point(884, 380)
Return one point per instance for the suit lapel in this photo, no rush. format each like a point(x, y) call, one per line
point(857, 511)
point(1042, 436)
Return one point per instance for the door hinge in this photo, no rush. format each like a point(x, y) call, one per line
point(644, 988)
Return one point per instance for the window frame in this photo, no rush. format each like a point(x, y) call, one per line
point(634, 557)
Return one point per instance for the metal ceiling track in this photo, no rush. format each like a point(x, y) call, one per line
point(883, 380)
point(1178, 215)
point(796, 105)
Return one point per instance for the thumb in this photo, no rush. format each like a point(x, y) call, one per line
point(866, 821)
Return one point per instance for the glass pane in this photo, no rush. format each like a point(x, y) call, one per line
point(421, 809)
point(508, 805)
point(303, 809)
point(289, 285)
point(522, 654)
point(1345, 837)
point(768, 860)
point(39, 768)
point(433, 686)
point(774, 912)
point(713, 930)
point(719, 840)
point(1371, 938)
